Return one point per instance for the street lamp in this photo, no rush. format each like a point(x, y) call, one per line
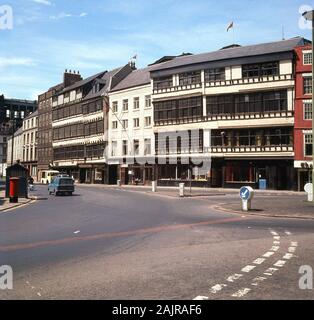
point(309, 15)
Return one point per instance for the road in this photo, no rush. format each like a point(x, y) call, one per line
point(106, 243)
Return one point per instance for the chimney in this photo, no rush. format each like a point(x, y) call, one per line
point(70, 78)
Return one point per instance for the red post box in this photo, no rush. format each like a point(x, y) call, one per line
point(14, 190)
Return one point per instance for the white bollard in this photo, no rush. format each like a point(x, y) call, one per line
point(246, 205)
point(310, 197)
point(181, 189)
point(154, 186)
point(119, 183)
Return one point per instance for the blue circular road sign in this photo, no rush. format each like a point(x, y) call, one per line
point(246, 193)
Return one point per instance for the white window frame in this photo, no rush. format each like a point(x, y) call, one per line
point(305, 143)
point(310, 54)
point(146, 122)
point(136, 123)
point(115, 106)
point(148, 105)
point(136, 103)
point(114, 125)
point(306, 104)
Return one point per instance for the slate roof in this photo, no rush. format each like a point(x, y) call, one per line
point(33, 114)
point(231, 53)
point(136, 78)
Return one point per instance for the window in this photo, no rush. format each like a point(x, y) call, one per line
point(125, 106)
point(125, 124)
point(136, 146)
point(22, 114)
point(307, 58)
point(147, 147)
point(307, 85)
point(136, 103)
point(190, 78)
point(115, 106)
point(260, 70)
point(114, 125)
point(16, 114)
point(8, 114)
point(163, 82)
point(114, 146)
point(124, 147)
point(148, 101)
point(215, 74)
point(308, 145)
point(307, 109)
point(148, 121)
point(136, 122)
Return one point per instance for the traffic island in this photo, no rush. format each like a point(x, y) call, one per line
point(277, 206)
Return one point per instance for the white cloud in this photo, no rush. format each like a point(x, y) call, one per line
point(13, 61)
point(63, 15)
point(45, 2)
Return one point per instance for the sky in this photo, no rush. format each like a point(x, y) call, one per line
point(49, 36)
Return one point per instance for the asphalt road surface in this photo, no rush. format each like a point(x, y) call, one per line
point(107, 243)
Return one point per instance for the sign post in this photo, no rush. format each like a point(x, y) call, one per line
point(246, 195)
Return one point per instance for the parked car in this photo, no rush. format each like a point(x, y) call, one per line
point(48, 175)
point(61, 185)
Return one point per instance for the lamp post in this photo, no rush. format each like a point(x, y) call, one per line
point(309, 15)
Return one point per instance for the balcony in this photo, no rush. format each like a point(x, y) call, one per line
point(250, 149)
point(225, 117)
point(177, 88)
point(242, 81)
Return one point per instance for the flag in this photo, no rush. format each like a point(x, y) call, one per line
point(230, 26)
point(135, 57)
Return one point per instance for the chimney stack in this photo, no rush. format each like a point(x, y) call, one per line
point(70, 77)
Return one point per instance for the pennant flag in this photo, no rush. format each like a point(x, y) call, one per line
point(230, 26)
point(135, 57)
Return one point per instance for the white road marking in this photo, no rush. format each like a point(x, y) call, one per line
point(288, 233)
point(77, 231)
point(288, 256)
point(274, 248)
point(201, 298)
point(259, 261)
point(248, 268)
point(276, 242)
point(277, 237)
point(292, 249)
point(280, 263)
point(234, 277)
point(241, 293)
point(268, 254)
point(39, 294)
point(257, 280)
point(217, 288)
point(294, 244)
point(270, 271)
point(274, 233)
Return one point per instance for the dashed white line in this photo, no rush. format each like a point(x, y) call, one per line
point(268, 254)
point(234, 277)
point(77, 231)
point(280, 263)
point(294, 244)
point(248, 268)
point(217, 288)
point(277, 237)
point(288, 256)
point(274, 248)
point(201, 298)
point(241, 293)
point(288, 233)
point(274, 233)
point(270, 271)
point(257, 280)
point(291, 249)
point(259, 261)
point(276, 242)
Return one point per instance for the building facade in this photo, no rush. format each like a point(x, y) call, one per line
point(17, 147)
point(236, 107)
point(79, 122)
point(303, 116)
point(130, 130)
point(12, 114)
point(45, 149)
point(30, 144)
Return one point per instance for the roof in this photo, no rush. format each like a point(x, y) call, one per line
point(234, 52)
point(106, 80)
point(135, 78)
point(83, 82)
point(31, 115)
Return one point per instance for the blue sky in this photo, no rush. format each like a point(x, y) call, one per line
point(49, 36)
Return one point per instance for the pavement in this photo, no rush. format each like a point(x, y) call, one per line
point(114, 243)
point(5, 204)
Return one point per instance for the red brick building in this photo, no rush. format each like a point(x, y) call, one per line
point(303, 115)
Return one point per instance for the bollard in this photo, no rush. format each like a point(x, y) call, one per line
point(246, 195)
point(154, 186)
point(308, 188)
point(181, 189)
point(119, 183)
